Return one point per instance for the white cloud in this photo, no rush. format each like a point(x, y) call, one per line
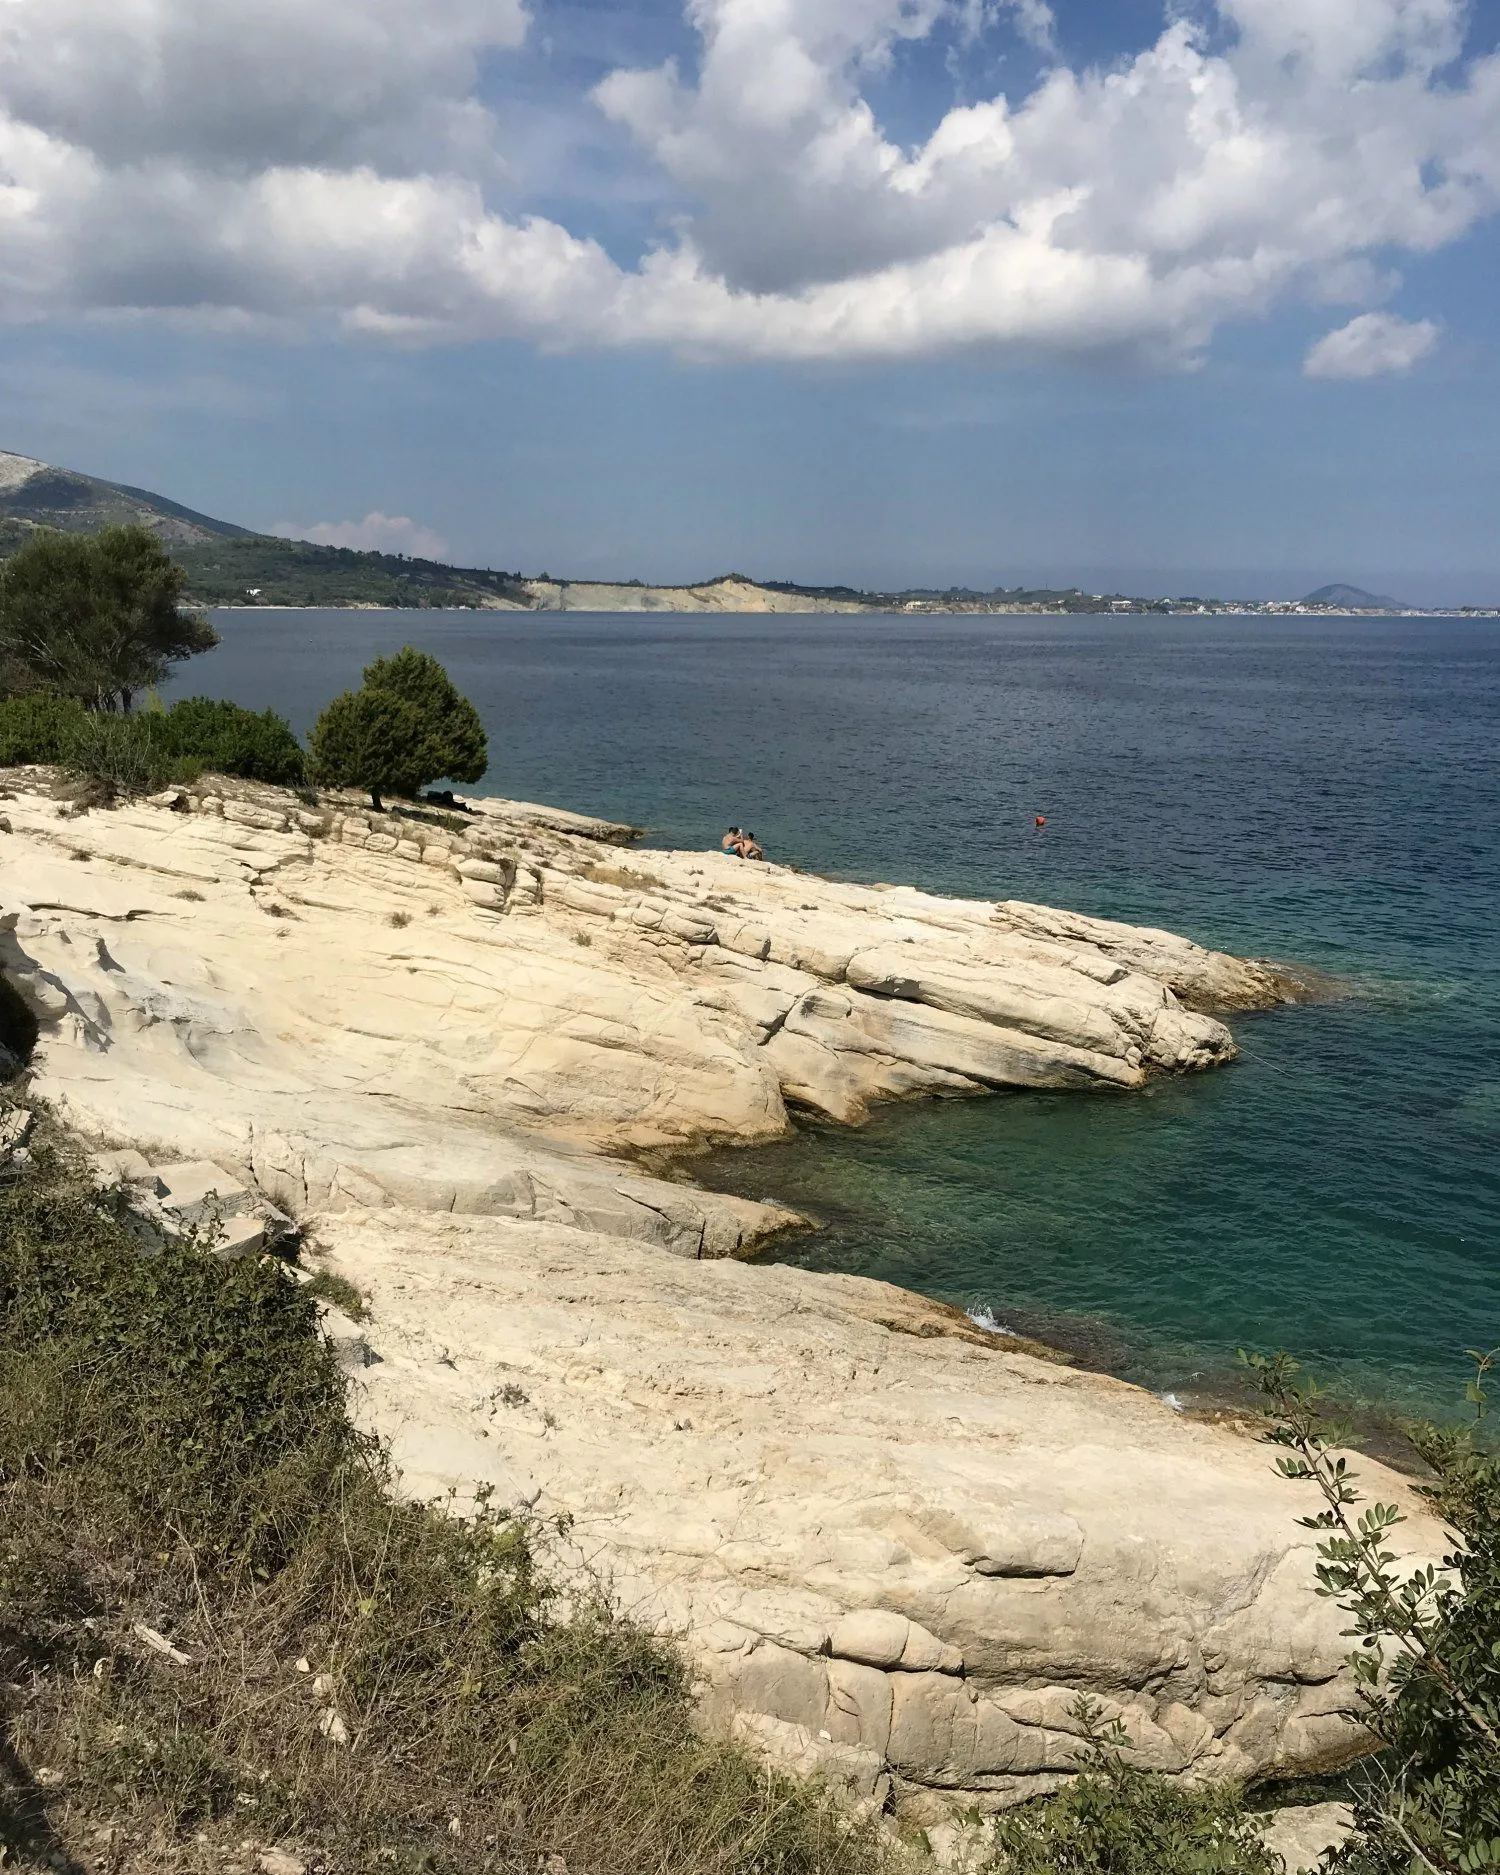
point(233, 86)
point(1370, 346)
point(290, 165)
point(376, 533)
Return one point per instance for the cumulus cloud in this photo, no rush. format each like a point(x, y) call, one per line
point(290, 165)
point(1370, 346)
point(376, 533)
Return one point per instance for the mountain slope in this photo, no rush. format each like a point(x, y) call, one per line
point(228, 564)
point(1354, 599)
point(37, 494)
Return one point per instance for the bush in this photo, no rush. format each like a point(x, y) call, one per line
point(1427, 1660)
point(369, 739)
point(125, 754)
point(95, 617)
point(138, 752)
point(456, 733)
point(1116, 1820)
point(38, 728)
point(228, 740)
point(175, 1456)
point(406, 727)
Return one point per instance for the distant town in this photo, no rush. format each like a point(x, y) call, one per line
point(1327, 602)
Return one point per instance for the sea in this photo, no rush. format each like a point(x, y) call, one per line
point(1320, 791)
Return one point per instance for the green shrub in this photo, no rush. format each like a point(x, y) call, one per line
point(1426, 1663)
point(125, 754)
point(175, 1453)
point(228, 740)
point(37, 728)
point(137, 752)
point(1116, 1820)
point(370, 739)
point(454, 730)
point(406, 727)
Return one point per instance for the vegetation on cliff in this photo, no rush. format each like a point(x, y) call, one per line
point(90, 621)
point(1426, 1663)
point(255, 569)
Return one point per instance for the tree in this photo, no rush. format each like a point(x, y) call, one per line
point(459, 742)
point(405, 727)
point(96, 617)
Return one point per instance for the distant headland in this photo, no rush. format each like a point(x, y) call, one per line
point(230, 565)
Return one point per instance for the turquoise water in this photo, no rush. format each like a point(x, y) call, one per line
point(1326, 792)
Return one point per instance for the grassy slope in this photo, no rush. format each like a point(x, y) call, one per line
point(382, 1685)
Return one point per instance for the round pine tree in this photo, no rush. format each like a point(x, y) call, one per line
point(457, 735)
point(407, 726)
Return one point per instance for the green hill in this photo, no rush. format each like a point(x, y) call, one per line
point(231, 565)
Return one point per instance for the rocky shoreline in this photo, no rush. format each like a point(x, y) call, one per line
point(897, 1550)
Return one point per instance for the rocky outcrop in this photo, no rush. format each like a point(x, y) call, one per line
point(898, 1548)
point(461, 1009)
point(898, 1553)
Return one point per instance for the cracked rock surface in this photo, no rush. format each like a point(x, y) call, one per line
point(896, 1551)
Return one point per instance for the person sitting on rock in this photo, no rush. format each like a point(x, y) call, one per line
point(732, 842)
point(750, 848)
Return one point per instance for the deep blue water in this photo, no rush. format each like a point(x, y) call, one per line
point(1322, 791)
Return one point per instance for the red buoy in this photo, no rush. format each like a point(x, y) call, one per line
point(1041, 820)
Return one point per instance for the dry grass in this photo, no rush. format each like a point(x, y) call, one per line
point(376, 1683)
point(628, 878)
point(399, 919)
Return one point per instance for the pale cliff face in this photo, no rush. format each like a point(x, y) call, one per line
point(894, 1549)
point(719, 595)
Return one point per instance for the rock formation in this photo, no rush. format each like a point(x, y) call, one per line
point(897, 1549)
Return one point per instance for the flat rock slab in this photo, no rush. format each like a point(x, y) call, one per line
point(873, 1533)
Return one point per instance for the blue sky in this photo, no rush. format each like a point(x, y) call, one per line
point(886, 291)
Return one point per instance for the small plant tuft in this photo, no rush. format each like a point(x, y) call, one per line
point(326, 1286)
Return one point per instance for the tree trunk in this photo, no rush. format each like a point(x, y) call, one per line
point(376, 802)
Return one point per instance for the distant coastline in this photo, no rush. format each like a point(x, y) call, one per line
point(229, 566)
point(749, 599)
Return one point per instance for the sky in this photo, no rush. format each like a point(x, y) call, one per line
point(887, 292)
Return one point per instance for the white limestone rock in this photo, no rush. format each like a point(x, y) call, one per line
point(1302, 1835)
point(869, 1523)
point(887, 1542)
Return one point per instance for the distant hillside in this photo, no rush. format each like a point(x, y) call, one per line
point(1354, 599)
point(260, 569)
point(35, 494)
point(231, 565)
